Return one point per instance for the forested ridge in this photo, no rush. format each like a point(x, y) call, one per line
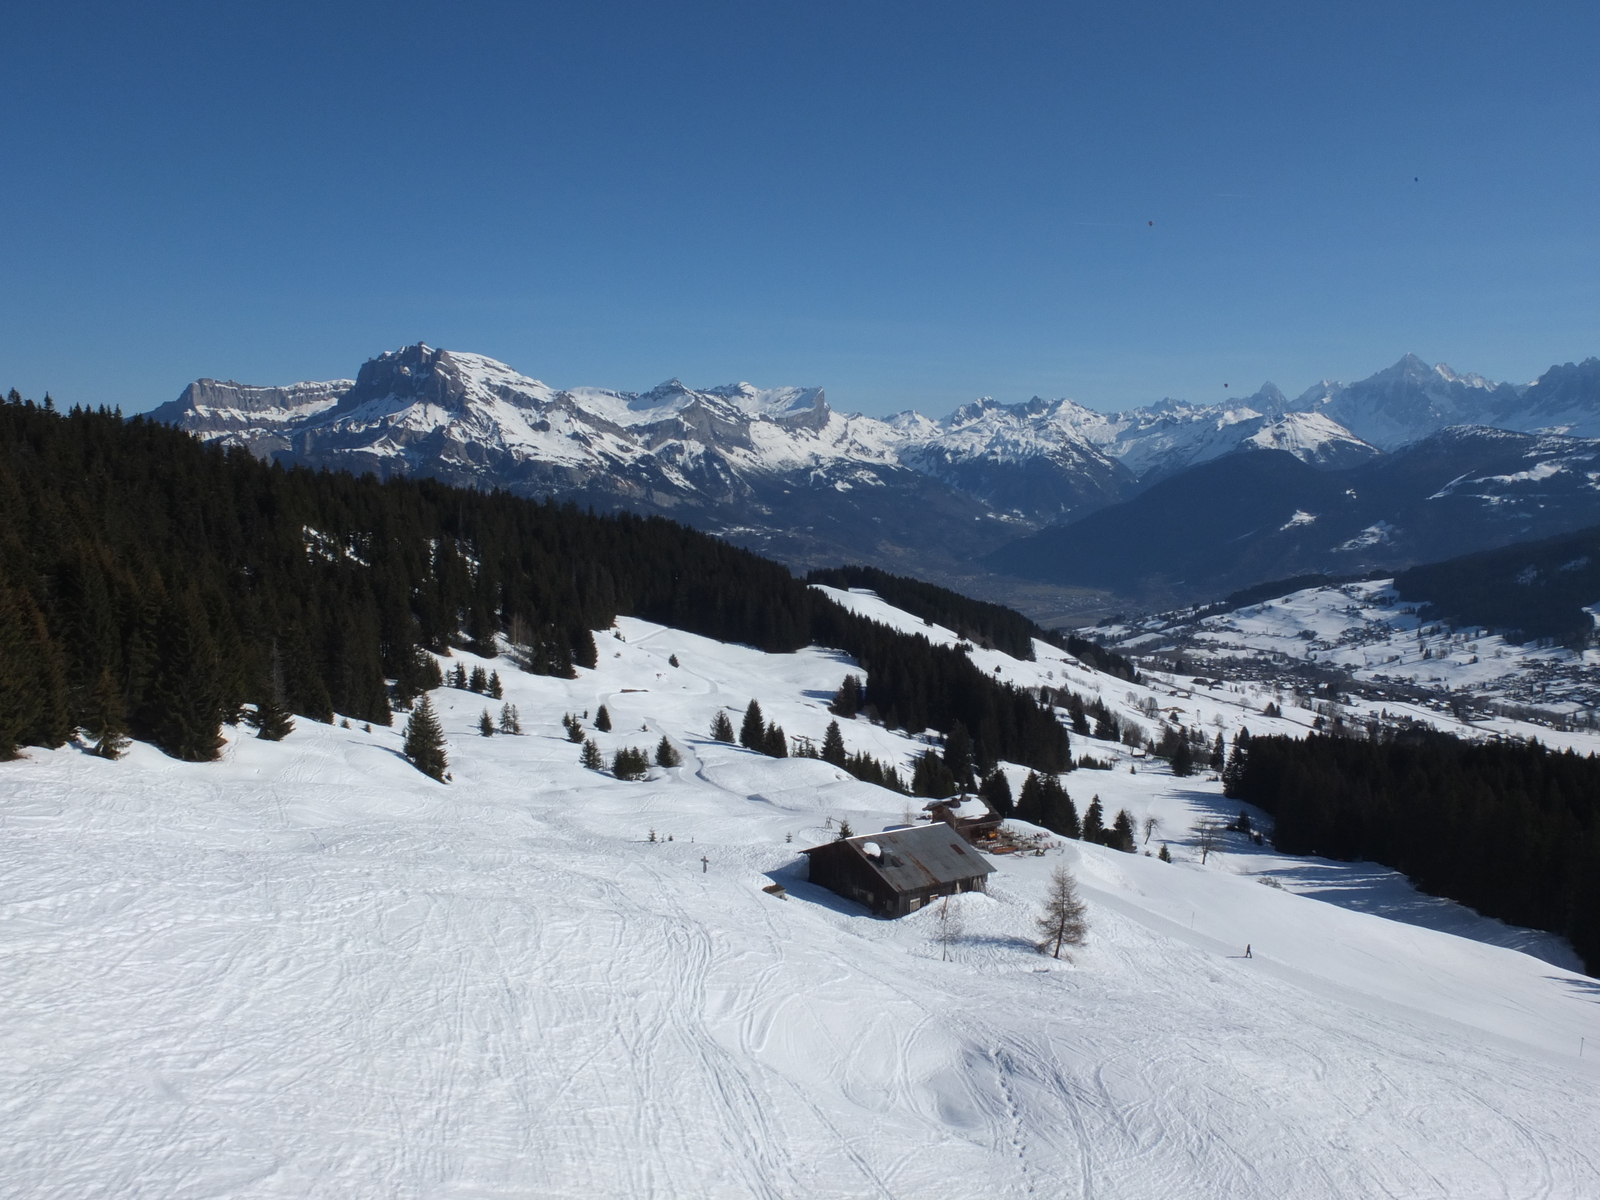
point(1511, 829)
point(158, 584)
point(992, 626)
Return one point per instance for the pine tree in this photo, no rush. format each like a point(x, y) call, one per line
point(424, 745)
point(667, 754)
point(1183, 759)
point(773, 742)
point(1121, 837)
point(479, 682)
point(847, 700)
point(721, 727)
point(458, 677)
point(753, 733)
point(1094, 822)
point(574, 727)
point(1164, 855)
point(591, 755)
point(1219, 754)
point(510, 719)
point(833, 750)
point(1233, 773)
point(996, 793)
point(1057, 812)
point(272, 720)
point(844, 830)
point(496, 689)
point(107, 717)
point(1064, 921)
point(958, 756)
point(602, 720)
point(630, 763)
point(486, 724)
point(1030, 804)
point(931, 777)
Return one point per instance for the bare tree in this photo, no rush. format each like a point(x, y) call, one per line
point(950, 929)
point(1063, 921)
point(1208, 836)
point(1151, 824)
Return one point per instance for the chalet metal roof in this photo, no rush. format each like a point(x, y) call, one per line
point(912, 859)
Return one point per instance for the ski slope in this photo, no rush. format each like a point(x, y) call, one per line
point(307, 970)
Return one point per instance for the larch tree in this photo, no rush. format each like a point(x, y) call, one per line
point(1064, 921)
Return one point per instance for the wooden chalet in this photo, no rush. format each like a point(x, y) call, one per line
point(898, 871)
point(967, 815)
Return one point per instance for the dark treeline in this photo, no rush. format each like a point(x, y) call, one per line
point(152, 582)
point(992, 626)
point(1511, 829)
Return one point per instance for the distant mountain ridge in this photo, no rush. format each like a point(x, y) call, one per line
point(778, 470)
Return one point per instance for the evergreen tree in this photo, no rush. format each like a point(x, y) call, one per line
point(1030, 804)
point(1219, 754)
point(1080, 720)
point(496, 689)
point(833, 750)
point(424, 745)
point(574, 727)
point(1121, 836)
point(844, 830)
point(486, 724)
point(848, 699)
point(753, 733)
point(958, 757)
point(458, 677)
point(932, 778)
point(107, 717)
point(1094, 822)
point(591, 755)
point(1057, 812)
point(510, 719)
point(996, 793)
point(630, 763)
point(479, 682)
point(667, 754)
point(721, 727)
point(1183, 759)
point(1064, 920)
point(773, 743)
point(272, 720)
point(1233, 774)
point(1164, 854)
point(602, 720)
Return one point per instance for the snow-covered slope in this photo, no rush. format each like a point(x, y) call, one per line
point(308, 971)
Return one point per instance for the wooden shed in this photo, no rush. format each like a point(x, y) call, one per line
point(898, 871)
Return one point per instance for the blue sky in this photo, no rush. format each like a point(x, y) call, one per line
point(907, 204)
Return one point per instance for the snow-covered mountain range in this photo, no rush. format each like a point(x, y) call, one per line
point(779, 470)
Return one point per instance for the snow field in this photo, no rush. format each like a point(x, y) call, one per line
point(307, 970)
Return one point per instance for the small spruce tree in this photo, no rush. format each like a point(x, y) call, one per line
point(1164, 855)
point(753, 732)
point(486, 724)
point(833, 750)
point(458, 677)
point(773, 743)
point(479, 682)
point(591, 755)
point(107, 718)
point(847, 700)
point(496, 688)
point(424, 745)
point(1030, 804)
point(1094, 822)
point(574, 727)
point(1121, 836)
point(996, 792)
point(602, 720)
point(721, 727)
point(667, 754)
point(844, 830)
point(630, 763)
point(510, 720)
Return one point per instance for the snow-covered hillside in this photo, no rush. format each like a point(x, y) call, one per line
point(307, 970)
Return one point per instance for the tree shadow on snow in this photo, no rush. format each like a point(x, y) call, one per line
point(1587, 989)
